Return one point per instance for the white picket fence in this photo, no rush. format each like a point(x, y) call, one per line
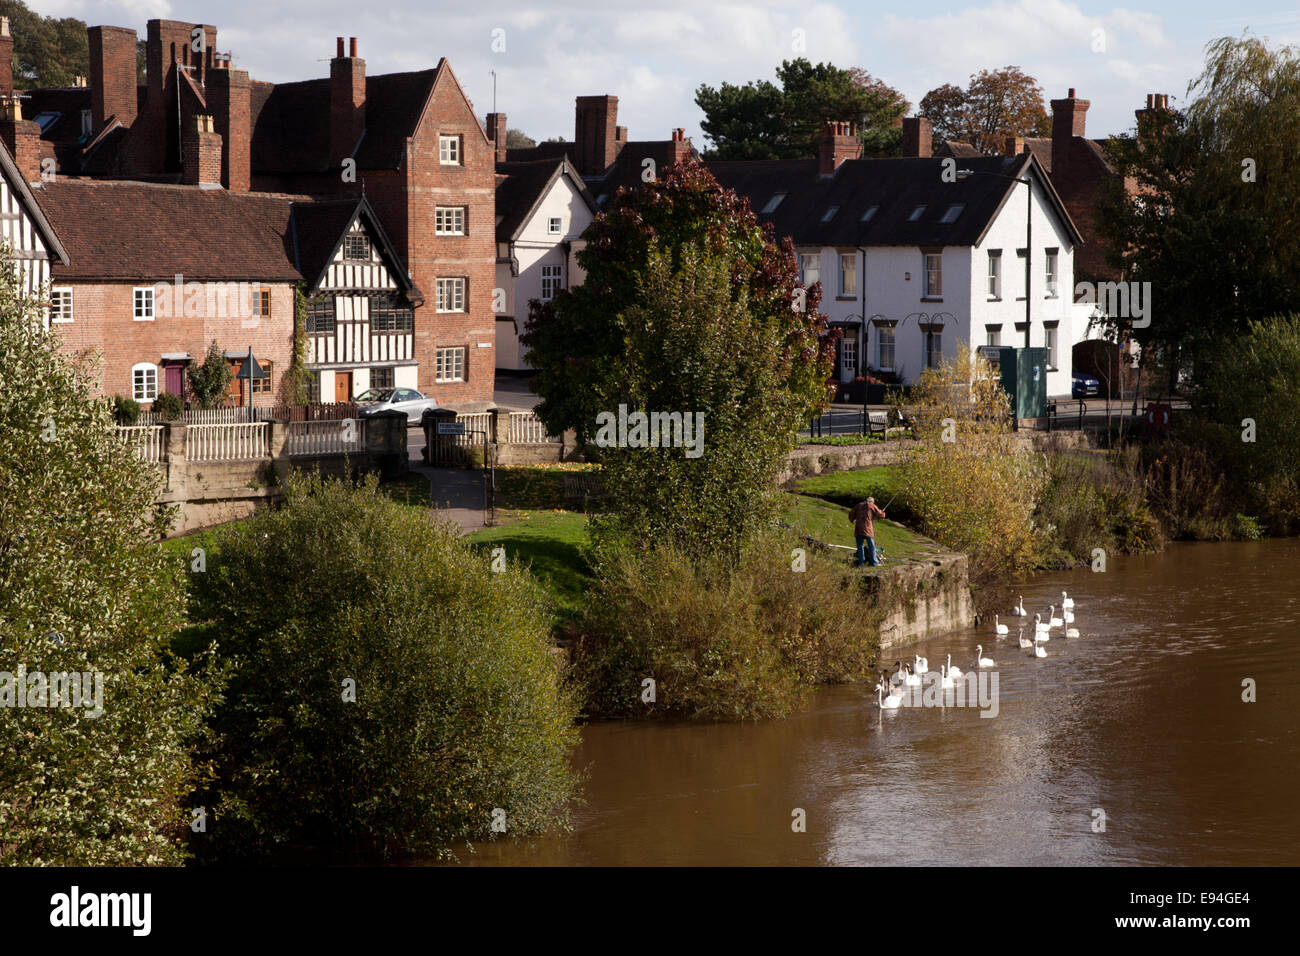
point(344, 436)
point(527, 429)
point(147, 440)
point(474, 422)
point(211, 416)
point(227, 442)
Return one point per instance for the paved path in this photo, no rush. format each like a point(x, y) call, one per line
point(456, 492)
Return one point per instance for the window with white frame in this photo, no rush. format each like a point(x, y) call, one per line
point(993, 335)
point(144, 382)
point(554, 226)
point(449, 221)
point(1050, 273)
point(885, 348)
point(450, 365)
point(61, 304)
point(933, 348)
point(849, 274)
point(995, 273)
point(933, 275)
point(849, 355)
point(550, 282)
point(142, 297)
point(810, 268)
point(1049, 340)
point(451, 295)
point(356, 247)
point(449, 150)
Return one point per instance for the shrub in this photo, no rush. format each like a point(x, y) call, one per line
point(168, 407)
point(1091, 500)
point(85, 587)
point(721, 641)
point(126, 411)
point(458, 703)
point(210, 380)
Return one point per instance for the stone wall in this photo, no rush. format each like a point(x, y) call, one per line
point(924, 598)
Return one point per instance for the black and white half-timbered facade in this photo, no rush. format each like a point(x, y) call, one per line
point(27, 236)
point(360, 302)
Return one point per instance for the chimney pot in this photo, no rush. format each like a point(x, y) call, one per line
point(352, 46)
point(340, 47)
point(4, 26)
point(1071, 96)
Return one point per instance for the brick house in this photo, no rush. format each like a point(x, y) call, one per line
point(407, 142)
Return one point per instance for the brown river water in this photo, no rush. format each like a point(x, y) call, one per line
point(1141, 718)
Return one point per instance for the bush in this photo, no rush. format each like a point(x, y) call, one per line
point(210, 380)
point(458, 705)
point(126, 411)
point(721, 641)
point(168, 407)
point(85, 587)
point(1091, 500)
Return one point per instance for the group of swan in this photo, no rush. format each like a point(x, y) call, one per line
point(1043, 629)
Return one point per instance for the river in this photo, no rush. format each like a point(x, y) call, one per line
point(1140, 719)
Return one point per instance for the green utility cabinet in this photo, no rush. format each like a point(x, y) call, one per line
point(1024, 377)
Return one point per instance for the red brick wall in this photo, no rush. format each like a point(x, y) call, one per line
point(202, 153)
point(228, 98)
point(472, 256)
point(103, 323)
point(112, 74)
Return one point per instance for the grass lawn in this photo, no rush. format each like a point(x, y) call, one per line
point(850, 487)
point(829, 523)
point(549, 542)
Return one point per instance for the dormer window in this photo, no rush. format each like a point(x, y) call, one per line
point(952, 212)
point(773, 203)
point(830, 213)
point(869, 214)
point(917, 213)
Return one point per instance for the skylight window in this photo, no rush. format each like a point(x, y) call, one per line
point(952, 212)
point(773, 202)
point(916, 213)
point(830, 213)
point(46, 120)
point(869, 214)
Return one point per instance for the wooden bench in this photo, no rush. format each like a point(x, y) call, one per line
point(878, 422)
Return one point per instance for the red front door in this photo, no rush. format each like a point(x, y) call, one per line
point(174, 379)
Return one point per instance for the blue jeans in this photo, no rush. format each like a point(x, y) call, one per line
point(867, 545)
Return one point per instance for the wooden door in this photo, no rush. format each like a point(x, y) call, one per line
point(342, 387)
point(174, 379)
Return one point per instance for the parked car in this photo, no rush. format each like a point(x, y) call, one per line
point(406, 400)
point(1085, 386)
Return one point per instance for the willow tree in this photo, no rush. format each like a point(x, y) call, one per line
point(84, 588)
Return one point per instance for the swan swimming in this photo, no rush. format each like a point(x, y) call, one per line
point(1019, 609)
point(999, 628)
point(981, 661)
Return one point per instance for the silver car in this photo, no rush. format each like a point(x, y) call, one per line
point(406, 400)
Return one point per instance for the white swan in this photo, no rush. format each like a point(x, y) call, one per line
point(999, 628)
point(1019, 609)
point(1040, 629)
point(1039, 650)
point(892, 702)
point(913, 679)
point(897, 678)
point(946, 682)
point(954, 671)
point(1052, 619)
point(1067, 617)
point(1024, 641)
point(922, 664)
point(1072, 632)
point(1066, 600)
point(981, 661)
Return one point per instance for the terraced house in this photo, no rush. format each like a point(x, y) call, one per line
point(407, 143)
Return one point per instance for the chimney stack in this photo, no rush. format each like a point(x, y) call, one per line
point(347, 103)
point(1013, 146)
point(496, 130)
point(229, 98)
point(596, 134)
point(1148, 118)
point(6, 57)
point(839, 142)
point(1068, 116)
point(22, 137)
point(112, 75)
point(918, 137)
point(202, 143)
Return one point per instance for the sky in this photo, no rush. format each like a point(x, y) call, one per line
point(654, 54)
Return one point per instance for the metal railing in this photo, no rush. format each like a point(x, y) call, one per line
point(147, 440)
point(340, 437)
point(227, 442)
point(1054, 412)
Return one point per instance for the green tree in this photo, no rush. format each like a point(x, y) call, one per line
point(763, 121)
point(686, 307)
point(518, 139)
point(85, 587)
point(48, 51)
point(210, 380)
point(1211, 221)
point(388, 690)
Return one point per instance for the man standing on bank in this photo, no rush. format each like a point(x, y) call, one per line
point(862, 516)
